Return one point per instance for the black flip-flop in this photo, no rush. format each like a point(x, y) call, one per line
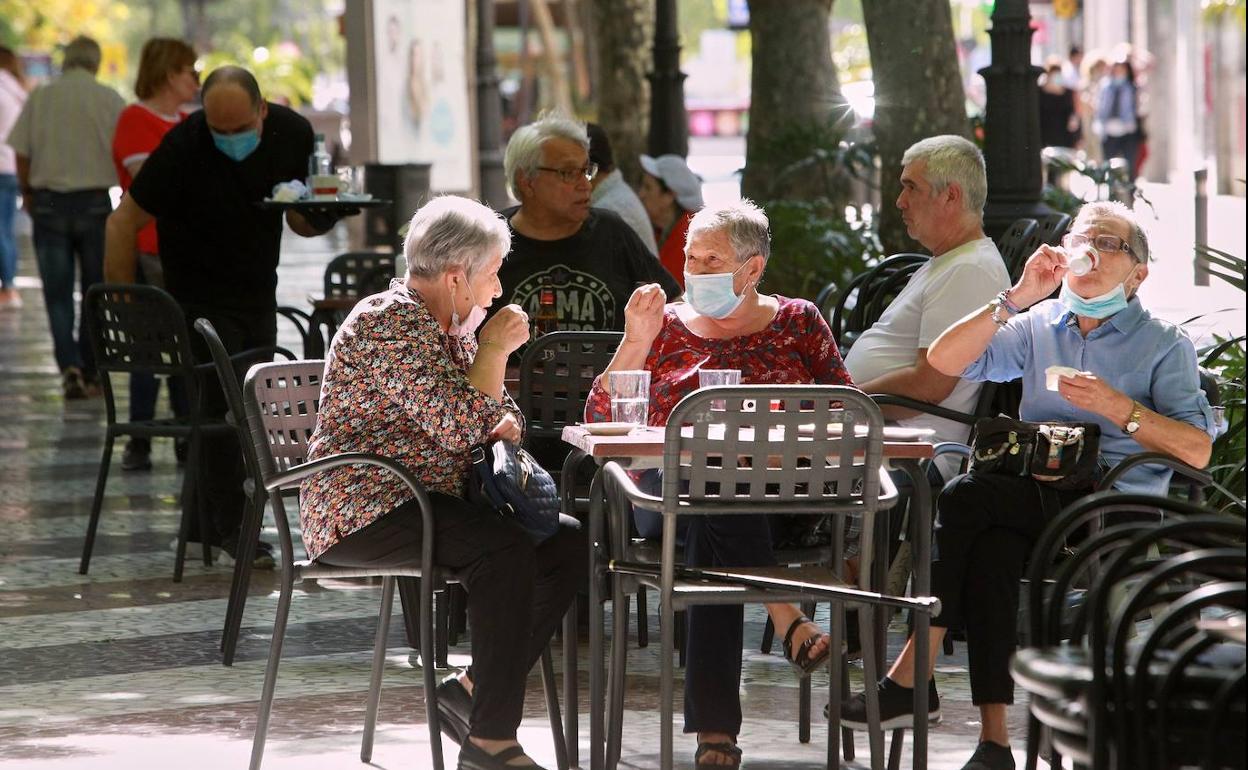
point(802, 660)
point(473, 757)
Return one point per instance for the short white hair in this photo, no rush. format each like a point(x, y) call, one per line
point(951, 159)
point(524, 149)
point(1115, 210)
point(745, 224)
point(451, 232)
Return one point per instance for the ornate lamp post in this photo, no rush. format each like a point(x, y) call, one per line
point(489, 112)
point(1012, 125)
point(669, 126)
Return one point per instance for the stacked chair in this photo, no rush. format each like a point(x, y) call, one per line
point(1142, 673)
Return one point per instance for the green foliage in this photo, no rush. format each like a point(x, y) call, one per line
point(283, 74)
point(1110, 180)
point(1226, 359)
point(817, 237)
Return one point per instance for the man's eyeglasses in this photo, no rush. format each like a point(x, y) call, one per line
point(1103, 243)
point(572, 175)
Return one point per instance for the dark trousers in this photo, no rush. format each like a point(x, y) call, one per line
point(221, 461)
point(714, 636)
point(144, 388)
point(68, 232)
point(517, 592)
point(986, 526)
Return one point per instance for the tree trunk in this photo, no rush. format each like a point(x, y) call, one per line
point(793, 92)
point(556, 67)
point(918, 92)
point(624, 32)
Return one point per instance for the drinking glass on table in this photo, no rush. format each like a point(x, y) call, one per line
point(630, 396)
point(709, 378)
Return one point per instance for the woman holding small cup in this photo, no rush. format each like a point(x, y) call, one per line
point(723, 324)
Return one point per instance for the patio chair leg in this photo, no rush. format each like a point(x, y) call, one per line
point(191, 477)
point(552, 709)
point(441, 629)
point(870, 675)
point(409, 602)
point(190, 505)
point(803, 710)
point(643, 622)
point(97, 503)
point(1033, 741)
point(894, 752)
point(248, 535)
point(615, 677)
point(270, 672)
point(571, 723)
point(847, 734)
point(769, 637)
point(379, 661)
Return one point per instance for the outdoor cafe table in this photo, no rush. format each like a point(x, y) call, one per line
point(904, 448)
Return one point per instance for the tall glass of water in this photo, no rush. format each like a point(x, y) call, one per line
point(709, 378)
point(630, 396)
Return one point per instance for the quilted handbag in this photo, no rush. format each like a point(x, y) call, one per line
point(1063, 455)
point(508, 479)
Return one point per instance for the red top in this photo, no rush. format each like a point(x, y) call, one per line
point(672, 252)
point(139, 131)
point(796, 348)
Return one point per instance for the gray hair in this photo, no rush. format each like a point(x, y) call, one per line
point(452, 232)
point(1115, 210)
point(524, 149)
point(82, 52)
point(745, 224)
point(952, 159)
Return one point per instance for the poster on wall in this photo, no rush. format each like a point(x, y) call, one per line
point(422, 88)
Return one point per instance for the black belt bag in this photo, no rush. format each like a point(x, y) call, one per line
point(1062, 455)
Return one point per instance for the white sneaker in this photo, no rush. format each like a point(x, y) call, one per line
point(10, 299)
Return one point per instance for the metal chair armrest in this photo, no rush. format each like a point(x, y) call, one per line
point(1195, 475)
point(888, 399)
point(614, 473)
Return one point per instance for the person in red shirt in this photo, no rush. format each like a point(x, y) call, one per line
point(671, 194)
point(167, 80)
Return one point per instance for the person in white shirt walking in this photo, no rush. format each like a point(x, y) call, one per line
point(12, 97)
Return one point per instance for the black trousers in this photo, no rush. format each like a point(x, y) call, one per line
point(517, 592)
point(221, 459)
point(986, 526)
point(714, 633)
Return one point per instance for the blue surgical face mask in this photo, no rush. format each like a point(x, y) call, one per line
point(712, 294)
point(1100, 306)
point(238, 146)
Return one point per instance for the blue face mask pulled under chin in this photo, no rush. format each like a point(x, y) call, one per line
point(237, 147)
point(1098, 307)
point(711, 294)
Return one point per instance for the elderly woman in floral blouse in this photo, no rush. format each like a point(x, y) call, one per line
point(408, 377)
point(724, 323)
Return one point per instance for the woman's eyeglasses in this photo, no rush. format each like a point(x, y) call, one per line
point(572, 175)
point(1103, 243)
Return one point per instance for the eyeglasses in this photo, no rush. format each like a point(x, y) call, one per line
point(572, 175)
point(1103, 243)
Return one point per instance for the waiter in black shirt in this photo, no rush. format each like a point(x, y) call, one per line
point(218, 249)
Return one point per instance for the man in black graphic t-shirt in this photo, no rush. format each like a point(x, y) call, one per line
point(593, 259)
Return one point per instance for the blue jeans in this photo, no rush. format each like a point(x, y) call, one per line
point(69, 228)
point(8, 239)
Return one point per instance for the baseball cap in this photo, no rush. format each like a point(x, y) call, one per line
point(675, 173)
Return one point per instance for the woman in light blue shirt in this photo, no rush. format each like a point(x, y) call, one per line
point(1133, 374)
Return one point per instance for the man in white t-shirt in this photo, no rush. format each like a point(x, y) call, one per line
point(944, 185)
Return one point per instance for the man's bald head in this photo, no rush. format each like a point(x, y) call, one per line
point(232, 101)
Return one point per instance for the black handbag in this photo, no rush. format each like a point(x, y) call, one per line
point(508, 479)
point(1062, 455)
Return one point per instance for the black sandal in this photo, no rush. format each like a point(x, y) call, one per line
point(724, 748)
point(802, 661)
point(473, 757)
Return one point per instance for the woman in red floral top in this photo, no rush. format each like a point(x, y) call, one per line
point(724, 324)
point(407, 379)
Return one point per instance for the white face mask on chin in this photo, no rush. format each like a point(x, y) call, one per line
point(468, 326)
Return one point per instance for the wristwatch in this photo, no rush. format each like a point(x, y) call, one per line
point(1133, 419)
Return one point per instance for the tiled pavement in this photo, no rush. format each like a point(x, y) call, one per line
point(120, 668)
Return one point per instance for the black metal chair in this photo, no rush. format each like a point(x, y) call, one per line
point(281, 403)
point(1017, 243)
point(141, 329)
point(826, 474)
point(1052, 227)
point(348, 277)
point(868, 294)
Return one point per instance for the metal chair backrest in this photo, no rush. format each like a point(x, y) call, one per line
point(1052, 227)
point(847, 322)
point(557, 372)
point(281, 402)
point(345, 273)
point(137, 328)
point(754, 449)
point(1017, 243)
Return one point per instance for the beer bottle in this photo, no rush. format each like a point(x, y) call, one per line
point(547, 318)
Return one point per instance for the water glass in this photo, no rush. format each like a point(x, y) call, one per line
point(630, 396)
point(710, 378)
